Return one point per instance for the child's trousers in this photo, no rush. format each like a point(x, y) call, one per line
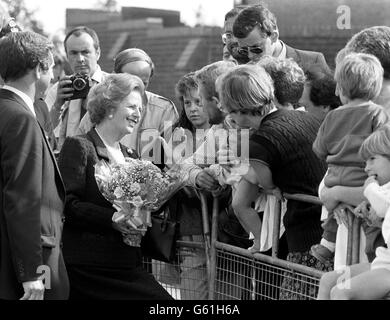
point(330, 228)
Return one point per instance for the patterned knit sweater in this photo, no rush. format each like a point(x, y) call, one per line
point(284, 142)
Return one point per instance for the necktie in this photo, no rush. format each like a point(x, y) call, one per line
point(84, 102)
point(83, 107)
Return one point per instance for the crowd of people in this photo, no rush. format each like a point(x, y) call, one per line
point(267, 119)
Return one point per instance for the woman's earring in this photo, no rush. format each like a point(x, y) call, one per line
point(110, 116)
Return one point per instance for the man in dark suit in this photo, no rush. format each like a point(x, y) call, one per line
point(257, 32)
point(32, 192)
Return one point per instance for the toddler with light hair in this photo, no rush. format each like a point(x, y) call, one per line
point(359, 79)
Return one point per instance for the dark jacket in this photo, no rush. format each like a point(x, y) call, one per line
point(284, 142)
point(307, 60)
point(89, 238)
point(43, 117)
point(31, 203)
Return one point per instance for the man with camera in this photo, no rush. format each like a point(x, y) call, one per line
point(67, 98)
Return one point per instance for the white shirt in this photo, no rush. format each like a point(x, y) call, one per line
point(378, 196)
point(283, 53)
point(27, 100)
point(114, 153)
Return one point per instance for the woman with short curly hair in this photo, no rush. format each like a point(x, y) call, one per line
point(99, 264)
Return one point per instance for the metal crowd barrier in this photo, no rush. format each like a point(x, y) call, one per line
point(186, 278)
point(214, 270)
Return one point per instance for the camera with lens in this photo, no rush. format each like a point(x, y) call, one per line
point(81, 83)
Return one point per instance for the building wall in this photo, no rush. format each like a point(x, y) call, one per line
point(175, 51)
point(312, 24)
point(178, 51)
point(171, 18)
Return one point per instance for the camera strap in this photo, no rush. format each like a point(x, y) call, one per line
point(83, 107)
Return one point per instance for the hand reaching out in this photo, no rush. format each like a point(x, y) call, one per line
point(341, 213)
point(362, 210)
point(368, 214)
point(277, 193)
point(175, 151)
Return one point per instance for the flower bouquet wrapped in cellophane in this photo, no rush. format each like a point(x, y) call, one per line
point(136, 188)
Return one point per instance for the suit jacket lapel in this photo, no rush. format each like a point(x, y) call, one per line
point(53, 158)
point(292, 53)
point(6, 94)
point(100, 147)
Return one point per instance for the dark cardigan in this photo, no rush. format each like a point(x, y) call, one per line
point(284, 142)
point(88, 237)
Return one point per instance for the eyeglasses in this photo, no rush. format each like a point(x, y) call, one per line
point(254, 50)
point(227, 36)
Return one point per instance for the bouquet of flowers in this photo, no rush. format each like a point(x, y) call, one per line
point(136, 188)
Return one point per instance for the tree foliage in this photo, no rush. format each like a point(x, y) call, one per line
point(24, 16)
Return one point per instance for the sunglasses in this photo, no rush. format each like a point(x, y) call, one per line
point(246, 50)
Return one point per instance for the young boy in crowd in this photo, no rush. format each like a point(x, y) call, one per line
point(359, 81)
point(368, 281)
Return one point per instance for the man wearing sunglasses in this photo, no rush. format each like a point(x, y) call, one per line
point(257, 32)
point(229, 41)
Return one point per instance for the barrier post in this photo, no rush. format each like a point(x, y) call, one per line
point(276, 229)
point(356, 240)
point(206, 229)
point(213, 252)
point(351, 219)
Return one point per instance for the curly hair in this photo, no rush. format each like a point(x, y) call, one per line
point(375, 41)
point(251, 17)
point(289, 78)
point(21, 52)
point(232, 13)
point(108, 94)
point(183, 87)
point(322, 89)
